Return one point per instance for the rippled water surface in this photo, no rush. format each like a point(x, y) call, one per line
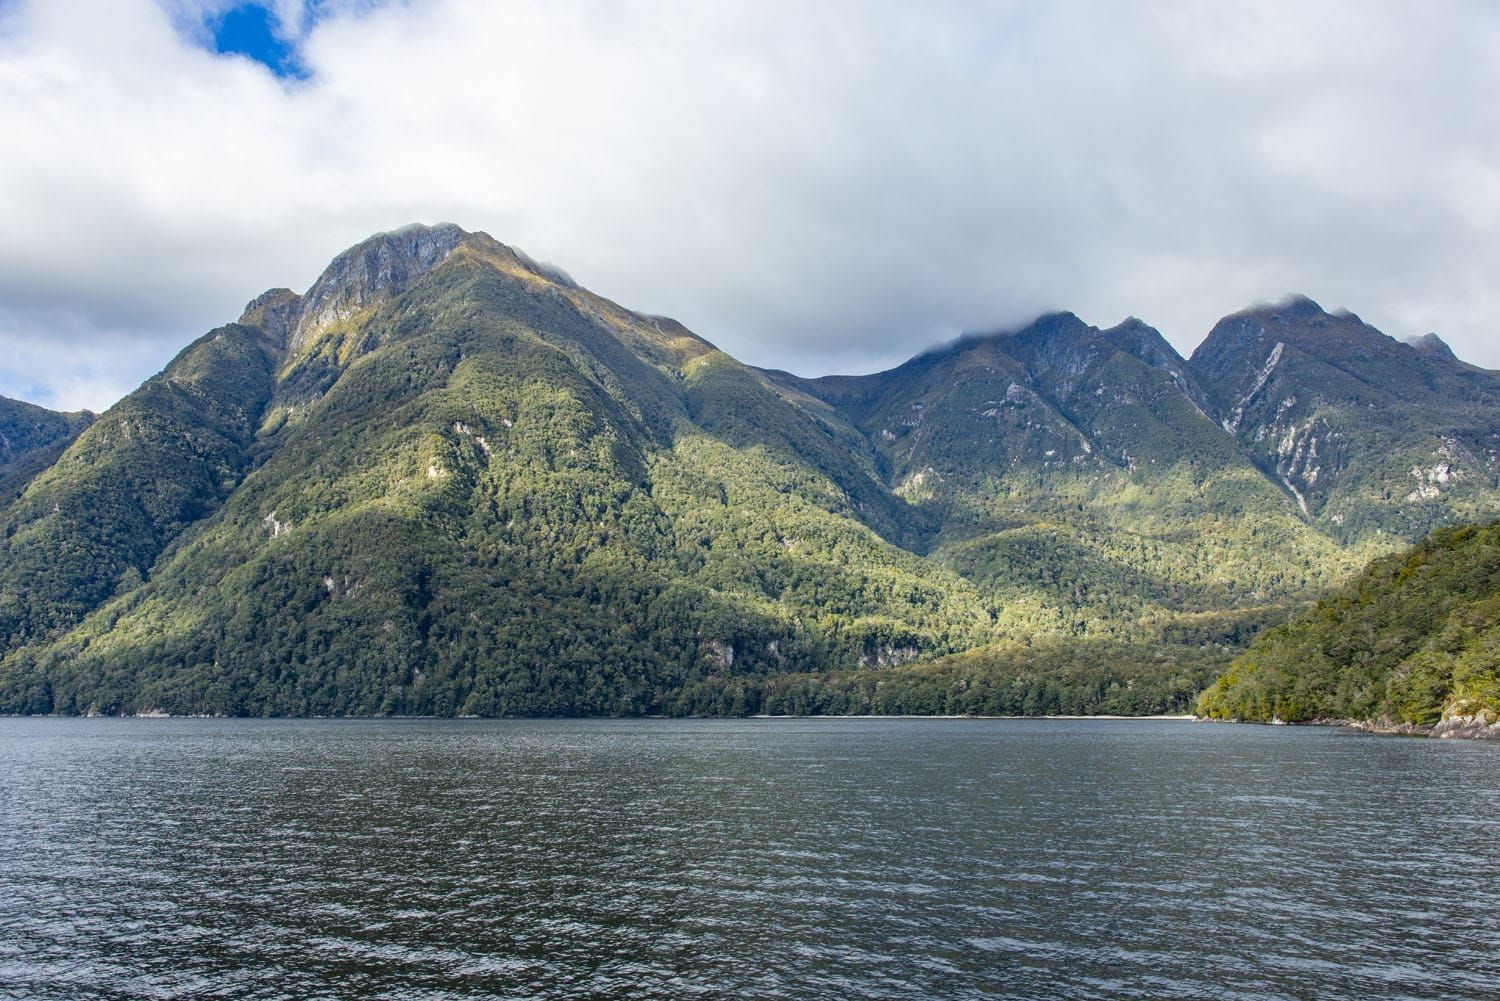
point(759, 858)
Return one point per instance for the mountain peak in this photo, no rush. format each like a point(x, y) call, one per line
point(1242, 341)
point(1132, 332)
point(1141, 340)
point(378, 267)
point(275, 311)
point(1292, 307)
point(1058, 319)
point(1432, 345)
point(1297, 305)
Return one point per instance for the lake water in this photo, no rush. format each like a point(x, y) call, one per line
point(756, 858)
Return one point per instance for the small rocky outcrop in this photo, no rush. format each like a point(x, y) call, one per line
point(1482, 725)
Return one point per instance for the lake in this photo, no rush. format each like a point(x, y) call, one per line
point(865, 858)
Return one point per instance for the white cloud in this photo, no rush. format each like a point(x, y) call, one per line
point(812, 186)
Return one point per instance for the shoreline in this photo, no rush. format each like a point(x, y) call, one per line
point(1184, 717)
point(1181, 717)
point(1460, 728)
point(1454, 728)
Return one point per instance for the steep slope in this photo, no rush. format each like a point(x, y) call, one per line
point(153, 464)
point(479, 488)
point(1413, 639)
point(31, 439)
point(1376, 440)
point(1079, 475)
point(448, 479)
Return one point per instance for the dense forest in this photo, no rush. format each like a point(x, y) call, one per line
point(1413, 639)
point(447, 480)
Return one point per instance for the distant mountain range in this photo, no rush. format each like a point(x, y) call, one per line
point(446, 479)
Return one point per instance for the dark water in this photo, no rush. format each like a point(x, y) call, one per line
point(834, 858)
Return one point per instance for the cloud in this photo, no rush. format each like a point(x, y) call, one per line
point(816, 187)
point(74, 365)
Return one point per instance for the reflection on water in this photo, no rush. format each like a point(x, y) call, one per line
point(761, 858)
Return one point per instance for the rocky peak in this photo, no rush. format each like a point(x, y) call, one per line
point(1141, 340)
point(1057, 349)
point(376, 269)
point(1433, 346)
point(1301, 323)
point(1293, 308)
point(1145, 343)
point(274, 311)
point(1296, 350)
point(1052, 326)
point(1052, 335)
point(1241, 349)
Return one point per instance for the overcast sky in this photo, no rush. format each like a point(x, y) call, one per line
point(817, 186)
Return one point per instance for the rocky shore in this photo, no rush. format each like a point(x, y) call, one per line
point(1480, 726)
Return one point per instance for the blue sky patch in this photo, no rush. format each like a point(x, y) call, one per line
point(251, 30)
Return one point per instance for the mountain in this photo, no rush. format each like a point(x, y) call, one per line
point(1414, 640)
point(155, 463)
point(31, 438)
point(1082, 472)
point(447, 479)
point(1374, 438)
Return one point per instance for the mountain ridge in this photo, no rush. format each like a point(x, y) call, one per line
point(384, 494)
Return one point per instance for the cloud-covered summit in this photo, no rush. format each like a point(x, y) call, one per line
point(819, 188)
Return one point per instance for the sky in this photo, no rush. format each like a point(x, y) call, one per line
point(821, 187)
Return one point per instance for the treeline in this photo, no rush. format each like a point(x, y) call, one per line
point(1054, 678)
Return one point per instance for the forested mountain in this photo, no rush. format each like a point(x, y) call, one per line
point(1373, 437)
point(447, 479)
point(1081, 471)
point(31, 439)
point(157, 462)
point(450, 481)
point(1414, 639)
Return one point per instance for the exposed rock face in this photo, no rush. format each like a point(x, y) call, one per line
point(380, 267)
point(1480, 725)
point(889, 655)
point(276, 312)
point(1344, 418)
point(1057, 350)
point(1234, 359)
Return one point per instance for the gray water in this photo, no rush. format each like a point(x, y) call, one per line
point(758, 858)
